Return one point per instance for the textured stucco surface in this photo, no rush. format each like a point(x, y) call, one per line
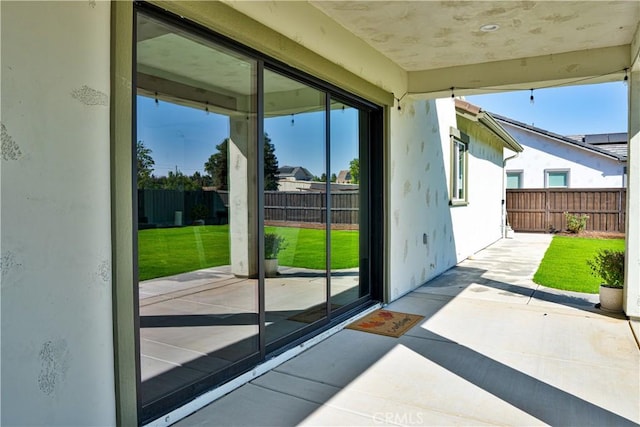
point(57, 351)
point(418, 194)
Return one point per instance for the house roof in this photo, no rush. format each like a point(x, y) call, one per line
point(292, 171)
point(575, 141)
point(476, 113)
point(614, 143)
point(344, 175)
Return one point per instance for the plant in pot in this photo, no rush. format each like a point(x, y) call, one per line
point(273, 244)
point(198, 214)
point(609, 266)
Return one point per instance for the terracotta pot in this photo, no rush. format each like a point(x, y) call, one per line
point(270, 267)
point(610, 299)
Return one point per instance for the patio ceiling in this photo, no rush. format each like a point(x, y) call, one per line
point(442, 44)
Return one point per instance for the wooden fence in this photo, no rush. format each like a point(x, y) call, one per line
point(159, 207)
point(542, 210)
point(296, 206)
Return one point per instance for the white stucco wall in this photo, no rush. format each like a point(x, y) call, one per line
point(485, 194)
point(420, 150)
point(419, 194)
point(57, 338)
point(587, 169)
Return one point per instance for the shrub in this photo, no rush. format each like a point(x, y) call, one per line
point(609, 266)
point(199, 212)
point(273, 244)
point(576, 223)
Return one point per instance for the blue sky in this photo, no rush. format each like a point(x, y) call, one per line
point(573, 110)
point(184, 138)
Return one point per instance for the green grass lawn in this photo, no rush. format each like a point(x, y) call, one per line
point(306, 248)
point(167, 251)
point(564, 265)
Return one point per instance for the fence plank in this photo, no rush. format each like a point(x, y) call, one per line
point(542, 210)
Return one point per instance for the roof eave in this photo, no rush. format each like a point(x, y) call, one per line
point(477, 114)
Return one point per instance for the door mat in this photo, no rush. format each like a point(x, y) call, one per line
point(385, 322)
point(313, 314)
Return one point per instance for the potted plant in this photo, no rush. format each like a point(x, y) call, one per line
point(609, 266)
point(198, 214)
point(273, 244)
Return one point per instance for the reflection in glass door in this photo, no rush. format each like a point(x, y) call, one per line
point(198, 295)
point(253, 208)
point(295, 215)
point(348, 193)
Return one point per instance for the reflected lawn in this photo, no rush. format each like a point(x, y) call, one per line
point(305, 248)
point(168, 251)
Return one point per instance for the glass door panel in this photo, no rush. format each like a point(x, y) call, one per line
point(346, 194)
point(295, 176)
point(197, 225)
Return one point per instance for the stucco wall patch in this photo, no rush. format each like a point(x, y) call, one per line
point(8, 263)
point(406, 250)
point(90, 96)
point(10, 149)
point(54, 360)
point(103, 272)
point(407, 187)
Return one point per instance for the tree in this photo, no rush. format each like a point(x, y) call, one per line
point(218, 169)
point(354, 170)
point(334, 178)
point(179, 181)
point(201, 180)
point(270, 165)
point(145, 165)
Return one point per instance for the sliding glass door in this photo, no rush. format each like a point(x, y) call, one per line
point(295, 225)
point(254, 208)
point(197, 260)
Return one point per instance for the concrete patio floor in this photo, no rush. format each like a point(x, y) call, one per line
point(494, 349)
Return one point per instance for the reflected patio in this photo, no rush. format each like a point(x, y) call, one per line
point(197, 323)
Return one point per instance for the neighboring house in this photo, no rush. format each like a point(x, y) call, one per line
point(298, 178)
point(344, 177)
point(78, 328)
point(555, 161)
point(313, 186)
point(294, 173)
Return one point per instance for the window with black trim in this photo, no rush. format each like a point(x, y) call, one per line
point(459, 167)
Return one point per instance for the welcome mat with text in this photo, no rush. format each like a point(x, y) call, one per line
point(385, 322)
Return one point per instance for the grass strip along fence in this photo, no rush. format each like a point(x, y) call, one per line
point(564, 265)
point(168, 251)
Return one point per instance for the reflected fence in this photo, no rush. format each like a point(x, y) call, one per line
point(168, 208)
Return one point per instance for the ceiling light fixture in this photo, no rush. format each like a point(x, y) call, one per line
point(489, 28)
